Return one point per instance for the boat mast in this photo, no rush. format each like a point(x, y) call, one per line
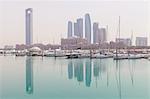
point(117, 45)
point(119, 34)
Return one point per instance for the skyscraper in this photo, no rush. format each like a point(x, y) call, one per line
point(88, 27)
point(95, 30)
point(69, 29)
point(80, 27)
point(29, 26)
point(76, 33)
point(102, 35)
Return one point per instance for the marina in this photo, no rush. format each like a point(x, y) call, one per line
point(92, 54)
point(79, 49)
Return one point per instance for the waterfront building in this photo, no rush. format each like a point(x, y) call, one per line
point(102, 35)
point(29, 26)
point(8, 47)
point(80, 27)
point(124, 41)
point(88, 28)
point(76, 33)
point(141, 41)
point(95, 34)
point(73, 41)
point(69, 29)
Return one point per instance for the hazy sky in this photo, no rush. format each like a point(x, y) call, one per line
point(50, 18)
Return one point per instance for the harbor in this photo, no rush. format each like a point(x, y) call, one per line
point(74, 49)
point(70, 54)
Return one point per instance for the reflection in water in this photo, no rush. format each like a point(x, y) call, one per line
point(96, 70)
point(88, 73)
point(131, 70)
point(76, 69)
point(29, 75)
point(118, 78)
point(70, 70)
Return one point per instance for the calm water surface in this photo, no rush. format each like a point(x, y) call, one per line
point(50, 78)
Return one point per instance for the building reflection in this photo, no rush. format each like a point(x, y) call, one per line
point(29, 75)
point(88, 73)
point(78, 69)
point(70, 70)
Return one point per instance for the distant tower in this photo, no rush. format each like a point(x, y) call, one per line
point(95, 34)
point(69, 29)
point(88, 27)
point(29, 26)
point(103, 34)
point(80, 27)
point(76, 33)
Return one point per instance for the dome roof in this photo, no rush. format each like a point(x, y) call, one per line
point(35, 49)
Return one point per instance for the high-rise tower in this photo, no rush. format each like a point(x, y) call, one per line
point(29, 26)
point(88, 28)
point(69, 29)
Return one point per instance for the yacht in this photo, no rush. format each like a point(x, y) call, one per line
point(73, 55)
point(49, 53)
point(134, 56)
point(101, 56)
point(120, 56)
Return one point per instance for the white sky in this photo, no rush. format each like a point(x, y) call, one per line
point(50, 18)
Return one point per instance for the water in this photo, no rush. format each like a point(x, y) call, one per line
point(50, 78)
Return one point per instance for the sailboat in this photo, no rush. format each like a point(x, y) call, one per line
point(119, 56)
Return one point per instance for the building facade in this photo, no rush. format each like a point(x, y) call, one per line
point(88, 28)
point(69, 29)
point(76, 33)
point(141, 41)
point(80, 27)
point(102, 34)
point(29, 26)
point(95, 34)
point(125, 41)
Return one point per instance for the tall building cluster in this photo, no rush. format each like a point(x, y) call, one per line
point(82, 29)
point(99, 34)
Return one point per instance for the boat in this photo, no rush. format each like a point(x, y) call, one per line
point(135, 56)
point(120, 56)
point(20, 54)
point(84, 55)
point(101, 56)
point(49, 53)
point(73, 55)
point(59, 53)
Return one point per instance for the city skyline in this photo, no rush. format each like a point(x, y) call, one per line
point(45, 32)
